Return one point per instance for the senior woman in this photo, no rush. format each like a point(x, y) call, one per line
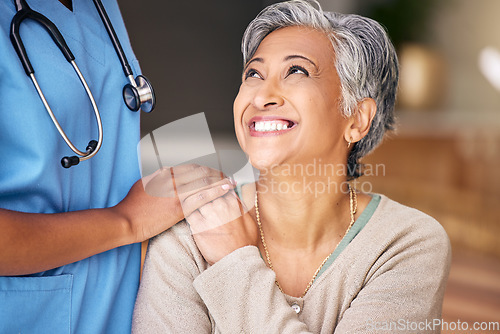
point(318, 89)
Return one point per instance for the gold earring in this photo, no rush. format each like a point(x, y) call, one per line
point(349, 143)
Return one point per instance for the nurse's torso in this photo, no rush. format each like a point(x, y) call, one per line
point(95, 295)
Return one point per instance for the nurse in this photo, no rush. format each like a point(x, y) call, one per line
point(70, 238)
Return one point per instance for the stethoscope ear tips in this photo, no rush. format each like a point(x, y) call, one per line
point(141, 96)
point(67, 162)
point(92, 146)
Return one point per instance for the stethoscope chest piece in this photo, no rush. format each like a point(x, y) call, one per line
point(139, 96)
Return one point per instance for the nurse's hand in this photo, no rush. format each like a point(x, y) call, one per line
point(153, 205)
point(222, 226)
point(162, 199)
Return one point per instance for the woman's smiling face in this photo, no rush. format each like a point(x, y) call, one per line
point(287, 110)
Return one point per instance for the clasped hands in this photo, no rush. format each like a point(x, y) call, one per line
point(206, 199)
point(222, 226)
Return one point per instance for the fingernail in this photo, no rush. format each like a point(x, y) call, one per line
point(233, 181)
point(226, 186)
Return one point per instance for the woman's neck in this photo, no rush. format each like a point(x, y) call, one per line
point(303, 212)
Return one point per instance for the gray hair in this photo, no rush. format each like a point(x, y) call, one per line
point(366, 62)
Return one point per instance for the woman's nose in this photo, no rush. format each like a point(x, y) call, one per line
point(268, 96)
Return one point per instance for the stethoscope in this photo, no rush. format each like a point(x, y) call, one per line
point(138, 94)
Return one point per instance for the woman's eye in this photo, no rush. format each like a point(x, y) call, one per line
point(251, 73)
point(295, 69)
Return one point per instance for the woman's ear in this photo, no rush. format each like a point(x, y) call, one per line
point(361, 121)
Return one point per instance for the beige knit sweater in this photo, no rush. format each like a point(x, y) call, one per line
point(389, 279)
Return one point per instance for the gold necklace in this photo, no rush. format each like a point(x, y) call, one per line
point(353, 206)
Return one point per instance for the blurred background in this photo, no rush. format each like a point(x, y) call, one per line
point(444, 158)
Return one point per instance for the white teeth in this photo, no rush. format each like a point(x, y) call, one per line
point(265, 126)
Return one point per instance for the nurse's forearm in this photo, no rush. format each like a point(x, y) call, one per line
point(34, 242)
point(31, 242)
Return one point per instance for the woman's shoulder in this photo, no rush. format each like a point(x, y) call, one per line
point(174, 245)
point(399, 215)
point(404, 224)
point(398, 235)
point(180, 233)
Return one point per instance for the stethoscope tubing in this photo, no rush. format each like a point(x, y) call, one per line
point(114, 39)
point(139, 94)
point(83, 155)
point(25, 12)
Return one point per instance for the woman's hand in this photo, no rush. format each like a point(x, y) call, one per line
point(221, 227)
point(152, 205)
point(162, 199)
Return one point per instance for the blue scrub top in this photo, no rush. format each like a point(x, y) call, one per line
point(95, 295)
